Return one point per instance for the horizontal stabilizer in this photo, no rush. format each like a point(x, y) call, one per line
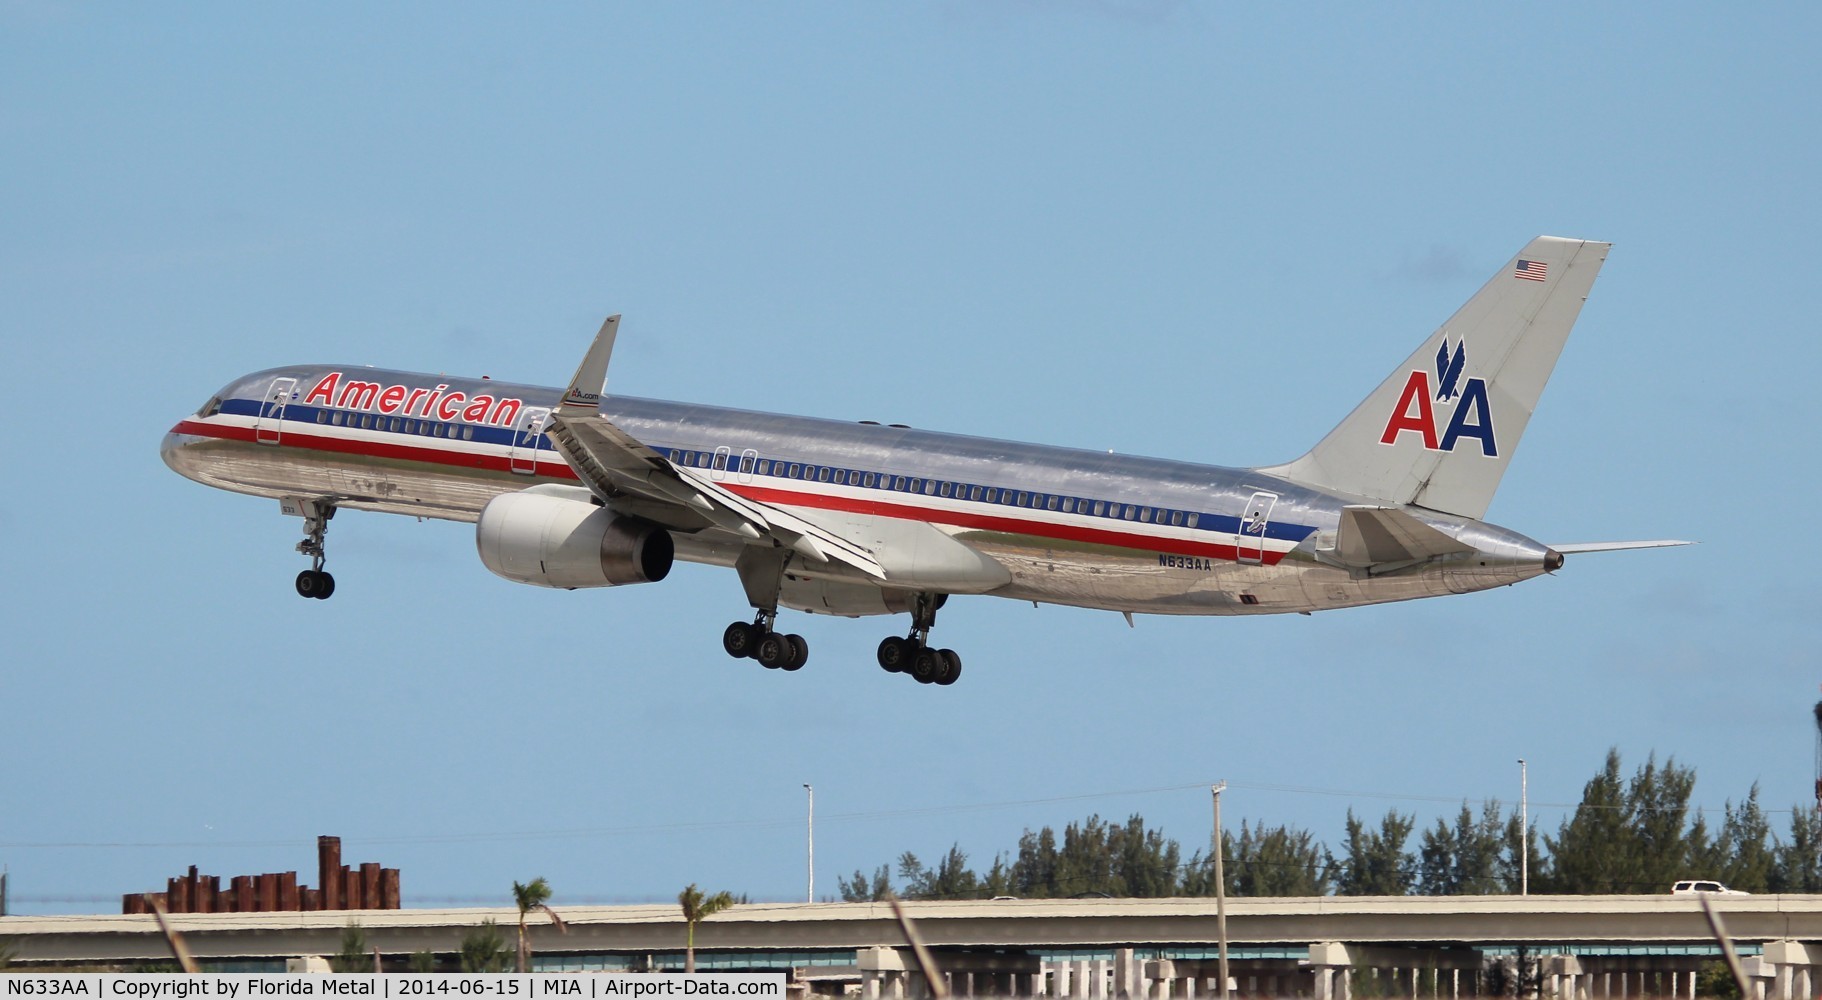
point(1575, 547)
point(1386, 538)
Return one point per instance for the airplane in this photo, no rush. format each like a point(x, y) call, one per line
point(569, 488)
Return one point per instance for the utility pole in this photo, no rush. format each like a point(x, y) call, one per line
point(1220, 888)
point(810, 840)
point(1524, 831)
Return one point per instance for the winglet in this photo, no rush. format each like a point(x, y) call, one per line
point(584, 392)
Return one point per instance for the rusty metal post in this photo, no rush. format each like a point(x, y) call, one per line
point(389, 889)
point(242, 888)
point(370, 885)
point(329, 871)
point(268, 892)
point(287, 892)
point(351, 889)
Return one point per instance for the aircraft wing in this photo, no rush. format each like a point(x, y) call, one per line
point(637, 480)
point(1383, 539)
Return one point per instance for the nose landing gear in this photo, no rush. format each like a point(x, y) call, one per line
point(313, 582)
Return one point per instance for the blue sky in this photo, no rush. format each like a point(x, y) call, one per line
point(1200, 231)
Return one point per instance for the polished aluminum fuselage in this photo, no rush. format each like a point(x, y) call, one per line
point(1070, 526)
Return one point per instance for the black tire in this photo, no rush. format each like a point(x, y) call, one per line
point(774, 651)
point(952, 667)
point(740, 639)
point(895, 653)
point(307, 584)
point(800, 653)
point(327, 589)
point(926, 665)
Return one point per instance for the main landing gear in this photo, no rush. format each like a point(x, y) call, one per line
point(762, 575)
point(758, 641)
point(912, 654)
point(314, 582)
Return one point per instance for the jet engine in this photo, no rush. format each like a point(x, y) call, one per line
point(555, 541)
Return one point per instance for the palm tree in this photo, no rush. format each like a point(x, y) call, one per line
point(697, 908)
point(531, 897)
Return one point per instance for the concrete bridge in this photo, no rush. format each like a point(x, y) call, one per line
point(1327, 948)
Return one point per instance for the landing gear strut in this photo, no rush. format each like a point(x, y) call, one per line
point(313, 582)
point(762, 574)
point(912, 654)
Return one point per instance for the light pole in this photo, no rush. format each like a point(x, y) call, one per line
point(810, 841)
point(1524, 831)
point(1220, 889)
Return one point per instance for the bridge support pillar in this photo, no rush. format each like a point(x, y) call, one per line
point(1125, 975)
point(1566, 979)
point(1791, 963)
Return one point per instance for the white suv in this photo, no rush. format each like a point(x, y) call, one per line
point(1694, 887)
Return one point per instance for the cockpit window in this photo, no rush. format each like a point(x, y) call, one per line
point(210, 408)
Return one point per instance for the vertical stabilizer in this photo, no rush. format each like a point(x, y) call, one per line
point(1439, 431)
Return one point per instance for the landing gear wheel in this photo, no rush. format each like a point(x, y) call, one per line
point(952, 667)
point(315, 583)
point(741, 639)
point(895, 653)
point(800, 653)
point(774, 651)
point(927, 665)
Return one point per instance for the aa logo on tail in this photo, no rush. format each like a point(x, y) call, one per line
point(1469, 414)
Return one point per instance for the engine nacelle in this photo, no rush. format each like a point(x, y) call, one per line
point(555, 541)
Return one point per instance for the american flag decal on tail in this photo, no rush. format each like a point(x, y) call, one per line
point(1531, 270)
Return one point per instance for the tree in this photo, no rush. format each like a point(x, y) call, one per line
point(528, 897)
point(1282, 861)
point(423, 961)
point(1377, 863)
point(859, 890)
point(950, 879)
point(1519, 842)
point(697, 908)
point(1631, 839)
point(1798, 864)
point(354, 955)
point(483, 949)
point(1463, 859)
point(1593, 845)
point(1746, 859)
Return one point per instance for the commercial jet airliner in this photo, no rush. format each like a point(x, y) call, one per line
point(569, 488)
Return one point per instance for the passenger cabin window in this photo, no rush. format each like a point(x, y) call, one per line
point(796, 471)
point(943, 489)
point(822, 474)
point(1100, 508)
point(1068, 505)
point(1052, 504)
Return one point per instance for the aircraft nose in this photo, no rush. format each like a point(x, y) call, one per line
point(170, 448)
